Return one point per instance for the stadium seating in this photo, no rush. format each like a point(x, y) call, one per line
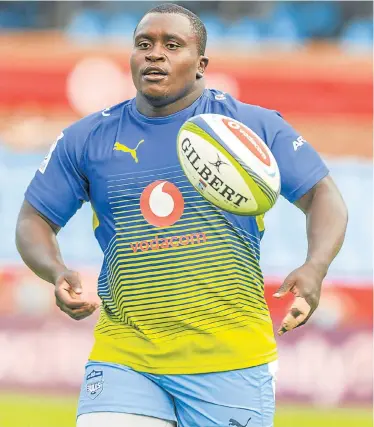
point(288, 24)
point(357, 37)
point(86, 26)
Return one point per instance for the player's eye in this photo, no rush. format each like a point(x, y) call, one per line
point(144, 45)
point(172, 46)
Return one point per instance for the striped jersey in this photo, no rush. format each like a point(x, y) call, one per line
point(181, 287)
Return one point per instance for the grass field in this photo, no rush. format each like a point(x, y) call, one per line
point(52, 411)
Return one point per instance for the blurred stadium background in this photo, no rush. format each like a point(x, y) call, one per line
point(312, 61)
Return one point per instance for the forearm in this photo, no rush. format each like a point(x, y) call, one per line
point(326, 221)
point(37, 244)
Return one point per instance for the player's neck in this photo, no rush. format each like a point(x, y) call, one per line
point(144, 106)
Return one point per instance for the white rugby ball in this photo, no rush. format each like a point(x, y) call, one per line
point(228, 164)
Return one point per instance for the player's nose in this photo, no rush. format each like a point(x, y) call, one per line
point(156, 55)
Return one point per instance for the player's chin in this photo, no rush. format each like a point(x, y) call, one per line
point(155, 94)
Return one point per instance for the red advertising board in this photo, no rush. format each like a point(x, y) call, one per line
point(319, 81)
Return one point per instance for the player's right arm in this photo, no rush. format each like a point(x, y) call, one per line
point(37, 244)
point(57, 191)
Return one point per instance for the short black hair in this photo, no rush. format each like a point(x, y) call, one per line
point(196, 23)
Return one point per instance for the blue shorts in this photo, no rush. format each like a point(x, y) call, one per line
point(243, 397)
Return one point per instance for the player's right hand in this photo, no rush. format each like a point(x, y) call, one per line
point(68, 293)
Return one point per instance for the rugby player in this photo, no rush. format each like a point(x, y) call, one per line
point(184, 335)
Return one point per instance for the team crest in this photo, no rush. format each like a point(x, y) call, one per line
point(94, 383)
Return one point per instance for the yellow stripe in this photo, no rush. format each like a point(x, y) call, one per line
point(122, 334)
point(208, 279)
point(252, 286)
point(156, 267)
point(260, 222)
point(210, 241)
point(186, 260)
point(193, 305)
point(187, 211)
point(215, 312)
point(159, 312)
point(241, 319)
point(171, 293)
point(173, 290)
point(129, 218)
point(161, 259)
point(120, 270)
point(95, 219)
point(166, 227)
point(196, 205)
point(211, 244)
point(118, 275)
point(218, 245)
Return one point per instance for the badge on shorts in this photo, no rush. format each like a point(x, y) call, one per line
point(94, 383)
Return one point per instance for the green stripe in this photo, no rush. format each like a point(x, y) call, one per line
point(271, 194)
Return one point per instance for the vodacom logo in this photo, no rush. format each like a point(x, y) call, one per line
point(161, 203)
point(249, 139)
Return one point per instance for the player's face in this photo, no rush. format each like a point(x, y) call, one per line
point(165, 58)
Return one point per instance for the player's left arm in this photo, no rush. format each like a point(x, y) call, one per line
point(305, 182)
point(326, 222)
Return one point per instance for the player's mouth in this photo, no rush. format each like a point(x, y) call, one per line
point(154, 74)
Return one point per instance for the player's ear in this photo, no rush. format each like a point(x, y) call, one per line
point(203, 63)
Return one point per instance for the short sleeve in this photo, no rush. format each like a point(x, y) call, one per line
point(59, 186)
point(300, 166)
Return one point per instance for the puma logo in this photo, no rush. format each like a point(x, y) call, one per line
point(121, 147)
point(233, 422)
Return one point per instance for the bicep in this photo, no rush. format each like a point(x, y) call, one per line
point(326, 188)
point(300, 166)
point(29, 213)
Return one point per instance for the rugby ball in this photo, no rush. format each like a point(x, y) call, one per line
point(228, 164)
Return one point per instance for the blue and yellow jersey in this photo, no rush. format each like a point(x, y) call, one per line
point(181, 287)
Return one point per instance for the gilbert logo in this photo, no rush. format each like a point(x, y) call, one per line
point(208, 177)
point(162, 204)
point(121, 147)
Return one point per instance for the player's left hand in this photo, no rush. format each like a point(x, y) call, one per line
point(305, 283)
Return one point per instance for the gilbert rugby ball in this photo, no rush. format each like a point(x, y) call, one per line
point(228, 164)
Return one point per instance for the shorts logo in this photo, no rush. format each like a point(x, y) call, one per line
point(162, 204)
point(235, 423)
point(94, 383)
